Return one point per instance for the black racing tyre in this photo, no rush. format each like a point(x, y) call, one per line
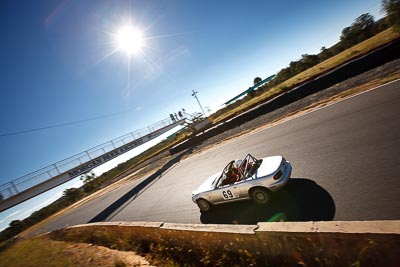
point(260, 195)
point(204, 205)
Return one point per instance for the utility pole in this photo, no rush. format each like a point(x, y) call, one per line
point(195, 96)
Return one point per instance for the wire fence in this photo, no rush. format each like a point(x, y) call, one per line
point(25, 182)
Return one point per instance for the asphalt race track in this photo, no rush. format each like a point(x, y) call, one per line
point(346, 166)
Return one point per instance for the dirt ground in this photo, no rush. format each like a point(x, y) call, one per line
point(91, 255)
point(43, 251)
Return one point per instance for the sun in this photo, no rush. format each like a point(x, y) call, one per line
point(129, 40)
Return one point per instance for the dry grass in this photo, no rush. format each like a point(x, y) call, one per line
point(169, 247)
point(42, 251)
point(329, 64)
point(349, 54)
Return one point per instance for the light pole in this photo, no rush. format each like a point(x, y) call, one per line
point(195, 96)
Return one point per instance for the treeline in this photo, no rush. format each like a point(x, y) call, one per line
point(362, 28)
point(69, 197)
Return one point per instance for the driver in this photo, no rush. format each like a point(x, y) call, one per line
point(232, 175)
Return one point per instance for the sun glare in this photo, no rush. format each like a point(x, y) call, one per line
point(129, 40)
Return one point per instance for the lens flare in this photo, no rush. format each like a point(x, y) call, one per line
point(129, 40)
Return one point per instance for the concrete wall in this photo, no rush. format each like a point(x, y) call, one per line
point(374, 243)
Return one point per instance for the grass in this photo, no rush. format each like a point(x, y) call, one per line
point(42, 251)
point(329, 64)
point(168, 247)
point(35, 252)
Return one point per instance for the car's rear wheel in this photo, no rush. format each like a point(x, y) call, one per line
point(203, 204)
point(260, 195)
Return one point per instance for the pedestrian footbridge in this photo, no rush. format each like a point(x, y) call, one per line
point(40, 181)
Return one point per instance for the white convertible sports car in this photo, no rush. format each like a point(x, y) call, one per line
point(249, 178)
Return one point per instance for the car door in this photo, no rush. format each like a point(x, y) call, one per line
point(226, 193)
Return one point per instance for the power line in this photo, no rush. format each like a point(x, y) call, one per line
point(65, 124)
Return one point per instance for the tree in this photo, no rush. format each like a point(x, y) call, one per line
point(392, 9)
point(309, 60)
point(17, 226)
point(361, 29)
point(283, 75)
point(325, 53)
point(346, 34)
point(257, 80)
point(88, 177)
point(364, 22)
point(90, 182)
point(73, 194)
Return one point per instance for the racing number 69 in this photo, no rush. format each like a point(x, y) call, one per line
point(227, 194)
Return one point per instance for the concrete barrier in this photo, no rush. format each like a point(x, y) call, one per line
point(339, 243)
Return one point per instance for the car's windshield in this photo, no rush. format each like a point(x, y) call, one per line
point(222, 178)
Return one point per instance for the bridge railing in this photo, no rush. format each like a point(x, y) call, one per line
point(25, 182)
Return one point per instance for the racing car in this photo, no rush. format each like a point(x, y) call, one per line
point(248, 178)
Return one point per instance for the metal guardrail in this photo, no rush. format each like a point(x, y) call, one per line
point(25, 182)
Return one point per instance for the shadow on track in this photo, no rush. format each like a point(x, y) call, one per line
point(301, 200)
point(120, 203)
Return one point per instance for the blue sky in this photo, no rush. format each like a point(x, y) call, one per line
point(58, 66)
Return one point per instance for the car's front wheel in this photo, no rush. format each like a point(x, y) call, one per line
point(260, 195)
point(203, 204)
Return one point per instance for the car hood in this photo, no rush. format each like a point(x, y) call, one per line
point(269, 166)
point(207, 185)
